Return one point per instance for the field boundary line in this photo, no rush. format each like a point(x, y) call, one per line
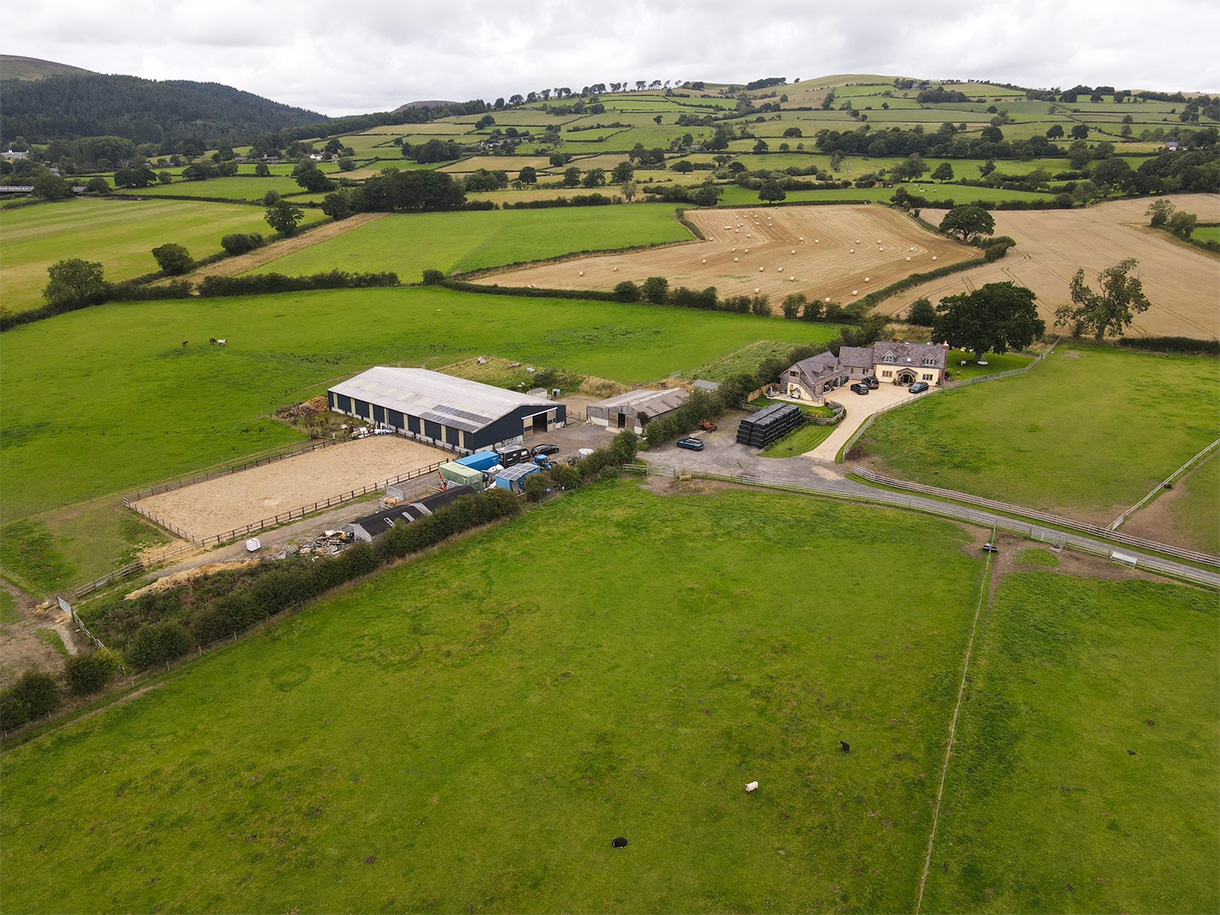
point(1164, 484)
point(961, 692)
point(1094, 530)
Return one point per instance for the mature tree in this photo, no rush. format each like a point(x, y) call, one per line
point(761, 147)
point(968, 221)
point(708, 195)
point(98, 186)
point(629, 190)
point(995, 318)
point(174, 259)
point(771, 191)
point(793, 304)
point(683, 166)
point(943, 173)
point(1159, 212)
point(623, 172)
point(134, 177)
point(594, 177)
point(262, 170)
point(283, 217)
point(337, 205)
point(1080, 132)
point(992, 134)
point(346, 163)
point(528, 175)
point(1182, 224)
point(1109, 311)
point(315, 181)
point(51, 187)
point(921, 313)
point(74, 281)
point(655, 290)
point(1113, 174)
point(1055, 132)
point(571, 176)
point(483, 180)
point(911, 167)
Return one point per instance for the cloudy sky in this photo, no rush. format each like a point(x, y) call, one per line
point(374, 55)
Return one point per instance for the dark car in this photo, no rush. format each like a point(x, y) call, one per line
point(860, 387)
point(691, 444)
point(544, 449)
point(918, 387)
point(871, 381)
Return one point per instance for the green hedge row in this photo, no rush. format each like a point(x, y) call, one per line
point(260, 284)
point(1173, 345)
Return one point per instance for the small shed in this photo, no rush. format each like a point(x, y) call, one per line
point(458, 474)
point(513, 478)
point(370, 527)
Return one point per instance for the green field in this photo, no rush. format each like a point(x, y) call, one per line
point(410, 244)
point(799, 442)
point(134, 406)
point(222, 188)
point(457, 735)
point(1206, 233)
point(119, 233)
point(1193, 507)
point(1086, 435)
point(1088, 754)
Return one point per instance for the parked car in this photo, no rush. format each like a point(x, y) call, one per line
point(544, 449)
point(691, 443)
point(871, 381)
point(918, 387)
point(860, 387)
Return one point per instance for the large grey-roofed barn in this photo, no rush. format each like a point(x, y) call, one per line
point(452, 412)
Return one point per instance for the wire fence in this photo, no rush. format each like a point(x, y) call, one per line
point(955, 512)
point(1093, 530)
point(869, 420)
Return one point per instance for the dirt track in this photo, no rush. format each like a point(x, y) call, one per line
point(835, 252)
point(1182, 282)
point(228, 502)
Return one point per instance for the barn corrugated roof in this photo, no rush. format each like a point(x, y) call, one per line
point(652, 402)
point(455, 402)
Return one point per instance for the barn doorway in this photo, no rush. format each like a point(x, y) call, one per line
point(540, 422)
point(622, 420)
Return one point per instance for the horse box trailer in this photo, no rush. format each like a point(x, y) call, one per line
point(512, 454)
point(480, 460)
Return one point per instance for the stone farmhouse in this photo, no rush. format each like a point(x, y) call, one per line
point(897, 363)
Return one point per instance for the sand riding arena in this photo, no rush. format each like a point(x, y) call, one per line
point(838, 253)
point(203, 510)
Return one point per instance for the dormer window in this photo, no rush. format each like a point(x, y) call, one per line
point(888, 357)
point(930, 360)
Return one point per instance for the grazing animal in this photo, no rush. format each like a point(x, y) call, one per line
point(846, 747)
point(620, 842)
point(185, 342)
point(221, 342)
point(212, 340)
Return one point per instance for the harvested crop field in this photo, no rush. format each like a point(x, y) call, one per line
point(1183, 283)
point(228, 502)
point(835, 252)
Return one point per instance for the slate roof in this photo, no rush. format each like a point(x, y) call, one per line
point(910, 353)
point(653, 403)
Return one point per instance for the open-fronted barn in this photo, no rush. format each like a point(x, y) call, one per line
point(450, 412)
point(636, 409)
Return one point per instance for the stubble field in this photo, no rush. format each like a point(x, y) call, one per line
point(835, 252)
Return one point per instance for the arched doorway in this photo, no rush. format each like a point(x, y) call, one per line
point(906, 376)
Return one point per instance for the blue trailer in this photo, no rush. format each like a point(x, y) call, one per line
point(480, 460)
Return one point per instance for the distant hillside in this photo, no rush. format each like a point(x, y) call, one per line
point(14, 67)
point(430, 103)
point(140, 110)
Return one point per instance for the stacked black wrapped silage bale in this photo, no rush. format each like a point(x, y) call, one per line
point(769, 425)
